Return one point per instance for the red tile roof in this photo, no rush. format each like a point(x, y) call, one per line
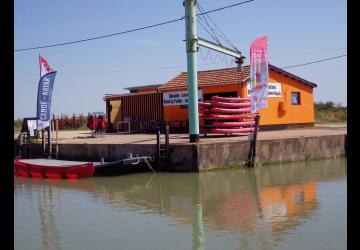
point(209, 78)
point(223, 77)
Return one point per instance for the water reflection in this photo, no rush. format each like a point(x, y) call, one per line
point(258, 206)
point(50, 233)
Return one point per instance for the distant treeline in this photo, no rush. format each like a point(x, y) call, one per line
point(324, 112)
point(329, 112)
point(65, 122)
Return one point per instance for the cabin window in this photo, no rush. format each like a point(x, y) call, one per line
point(295, 98)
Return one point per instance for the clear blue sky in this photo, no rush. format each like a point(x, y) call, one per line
point(317, 29)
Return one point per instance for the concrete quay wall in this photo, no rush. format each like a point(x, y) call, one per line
point(222, 155)
point(208, 156)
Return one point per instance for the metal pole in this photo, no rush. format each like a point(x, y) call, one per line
point(158, 145)
point(191, 49)
point(50, 135)
point(43, 141)
point(257, 120)
point(167, 139)
point(252, 150)
point(49, 141)
point(40, 66)
point(57, 137)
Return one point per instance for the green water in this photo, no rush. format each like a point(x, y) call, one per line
point(289, 206)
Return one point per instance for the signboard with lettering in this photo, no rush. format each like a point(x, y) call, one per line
point(178, 98)
point(45, 89)
point(274, 89)
point(31, 126)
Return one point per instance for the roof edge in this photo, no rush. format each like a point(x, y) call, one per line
point(288, 74)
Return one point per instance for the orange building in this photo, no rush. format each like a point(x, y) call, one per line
point(290, 98)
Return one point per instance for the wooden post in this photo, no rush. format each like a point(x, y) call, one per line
point(49, 141)
point(158, 144)
point(167, 139)
point(43, 142)
point(56, 136)
point(252, 150)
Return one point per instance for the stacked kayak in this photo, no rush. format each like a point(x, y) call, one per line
point(227, 115)
point(53, 169)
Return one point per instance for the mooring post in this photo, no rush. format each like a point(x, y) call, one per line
point(56, 136)
point(253, 137)
point(167, 139)
point(158, 148)
point(43, 142)
point(257, 120)
point(191, 50)
point(51, 129)
point(49, 141)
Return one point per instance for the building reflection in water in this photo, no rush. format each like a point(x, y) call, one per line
point(259, 205)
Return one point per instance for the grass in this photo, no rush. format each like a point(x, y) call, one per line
point(325, 112)
point(66, 123)
point(328, 112)
point(17, 129)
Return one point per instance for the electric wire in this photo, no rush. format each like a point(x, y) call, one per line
point(128, 31)
point(323, 60)
point(225, 7)
point(212, 35)
point(308, 52)
point(203, 18)
point(221, 33)
point(182, 66)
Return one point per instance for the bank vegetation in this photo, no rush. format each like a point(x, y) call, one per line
point(66, 122)
point(325, 112)
point(328, 112)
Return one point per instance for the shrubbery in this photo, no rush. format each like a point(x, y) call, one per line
point(329, 112)
point(66, 122)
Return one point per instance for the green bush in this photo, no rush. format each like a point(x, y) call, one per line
point(329, 112)
point(66, 122)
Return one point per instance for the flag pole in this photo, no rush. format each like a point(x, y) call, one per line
point(42, 130)
point(40, 66)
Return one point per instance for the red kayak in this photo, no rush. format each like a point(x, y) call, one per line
point(233, 124)
point(229, 99)
point(229, 130)
point(230, 104)
point(229, 117)
point(230, 111)
point(204, 104)
point(54, 169)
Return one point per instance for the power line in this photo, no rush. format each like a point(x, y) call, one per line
point(104, 36)
point(121, 71)
point(221, 34)
point(203, 17)
point(308, 52)
point(212, 35)
point(303, 64)
point(177, 66)
point(225, 7)
point(128, 31)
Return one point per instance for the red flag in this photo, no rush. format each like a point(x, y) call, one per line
point(44, 66)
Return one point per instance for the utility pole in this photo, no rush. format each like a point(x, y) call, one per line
point(192, 43)
point(191, 50)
